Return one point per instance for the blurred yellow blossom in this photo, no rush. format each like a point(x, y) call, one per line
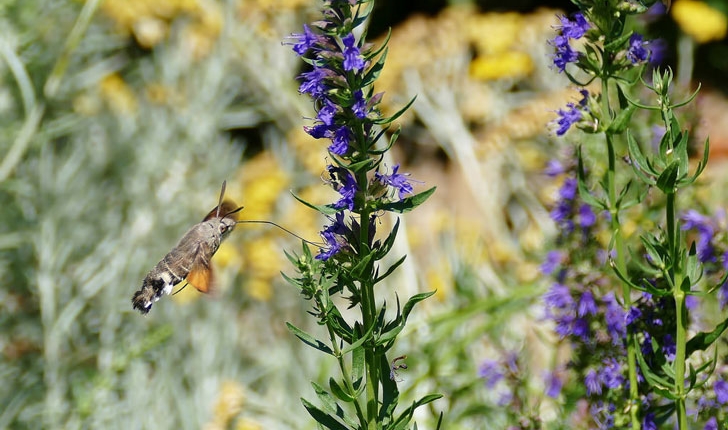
point(246, 424)
point(262, 181)
point(700, 21)
point(259, 289)
point(149, 21)
point(506, 64)
point(311, 152)
point(439, 279)
point(119, 96)
point(262, 265)
point(228, 405)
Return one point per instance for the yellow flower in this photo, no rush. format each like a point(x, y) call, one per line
point(259, 289)
point(700, 21)
point(118, 94)
point(439, 279)
point(263, 181)
point(503, 65)
point(229, 404)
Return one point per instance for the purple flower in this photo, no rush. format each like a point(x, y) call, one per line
point(587, 305)
point(327, 112)
point(492, 372)
point(711, 424)
point(318, 131)
point(611, 374)
point(615, 319)
point(658, 51)
point(587, 218)
point(312, 82)
point(721, 391)
point(568, 189)
point(648, 422)
point(693, 220)
point(399, 181)
point(668, 347)
point(340, 142)
point(561, 214)
point(567, 118)
point(564, 53)
point(633, 315)
point(723, 295)
point(573, 29)
point(580, 328)
point(554, 168)
point(345, 183)
point(335, 236)
point(552, 262)
point(637, 51)
point(558, 297)
point(553, 384)
point(593, 383)
point(353, 60)
point(564, 325)
point(305, 40)
point(360, 105)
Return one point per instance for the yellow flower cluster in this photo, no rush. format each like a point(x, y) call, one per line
point(149, 21)
point(700, 21)
point(228, 405)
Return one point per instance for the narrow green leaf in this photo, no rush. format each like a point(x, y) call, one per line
point(399, 113)
point(702, 340)
point(618, 43)
point(340, 392)
point(668, 178)
point(321, 417)
point(406, 415)
point(639, 163)
point(357, 367)
point(324, 209)
point(407, 203)
point(621, 121)
point(331, 407)
point(412, 302)
point(359, 342)
point(308, 339)
point(376, 69)
point(390, 269)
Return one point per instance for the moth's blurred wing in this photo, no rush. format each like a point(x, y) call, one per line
point(201, 276)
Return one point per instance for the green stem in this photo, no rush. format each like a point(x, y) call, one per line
point(680, 311)
point(369, 311)
point(621, 263)
point(345, 375)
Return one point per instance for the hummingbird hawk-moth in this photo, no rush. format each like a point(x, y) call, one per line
point(190, 259)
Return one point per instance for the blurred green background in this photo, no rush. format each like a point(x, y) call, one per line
point(120, 119)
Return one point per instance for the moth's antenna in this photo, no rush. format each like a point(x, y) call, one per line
point(219, 201)
point(319, 244)
point(183, 287)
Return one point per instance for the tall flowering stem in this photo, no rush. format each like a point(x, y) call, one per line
point(653, 327)
point(343, 69)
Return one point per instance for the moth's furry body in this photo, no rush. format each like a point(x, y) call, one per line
point(190, 259)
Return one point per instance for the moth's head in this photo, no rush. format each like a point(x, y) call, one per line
point(227, 224)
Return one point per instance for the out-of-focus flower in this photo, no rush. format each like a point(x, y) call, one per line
point(118, 94)
point(699, 20)
point(637, 51)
